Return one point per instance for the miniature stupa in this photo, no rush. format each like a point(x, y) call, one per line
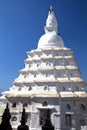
point(50, 80)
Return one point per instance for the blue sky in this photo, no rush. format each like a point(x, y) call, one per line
point(22, 23)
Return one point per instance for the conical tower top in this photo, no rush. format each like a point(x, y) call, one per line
point(51, 37)
point(51, 22)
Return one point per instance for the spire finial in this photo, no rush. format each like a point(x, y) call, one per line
point(51, 9)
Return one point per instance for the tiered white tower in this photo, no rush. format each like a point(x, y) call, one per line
point(50, 80)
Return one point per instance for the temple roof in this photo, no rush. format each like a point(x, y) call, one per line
point(50, 70)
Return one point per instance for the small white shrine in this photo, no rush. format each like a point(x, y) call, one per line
point(50, 80)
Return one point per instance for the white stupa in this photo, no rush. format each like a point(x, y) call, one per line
point(50, 80)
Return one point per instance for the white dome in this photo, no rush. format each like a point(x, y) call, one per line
point(50, 39)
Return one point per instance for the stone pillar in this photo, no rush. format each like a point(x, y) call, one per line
point(34, 120)
point(56, 121)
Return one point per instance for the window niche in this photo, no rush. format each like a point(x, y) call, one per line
point(24, 105)
point(29, 65)
point(57, 54)
point(46, 74)
point(37, 64)
point(76, 89)
point(44, 103)
point(14, 118)
point(68, 108)
point(66, 63)
point(35, 75)
point(71, 75)
point(57, 63)
point(24, 75)
point(63, 89)
point(66, 54)
point(68, 120)
point(46, 87)
point(82, 122)
point(30, 88)
point(47, 63)
point(19, 89)
point(14, 105)
point(82, 107)
point(59, 75)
